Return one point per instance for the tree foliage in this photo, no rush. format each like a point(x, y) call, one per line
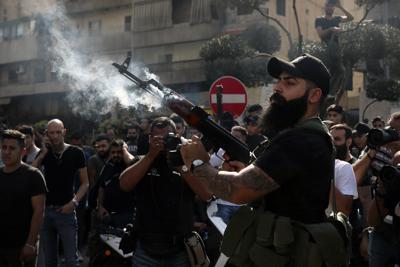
point(388, 90)
point(227, 47)
point(235, 55)
point(263, 38)
point(373, 44)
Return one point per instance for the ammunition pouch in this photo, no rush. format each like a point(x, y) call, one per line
point(261, 238)
point(196, 250)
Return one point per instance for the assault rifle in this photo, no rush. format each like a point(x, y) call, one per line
point(214, 136)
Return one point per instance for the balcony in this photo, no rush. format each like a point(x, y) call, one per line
point(124, 40)
point(180, 72)
point(81, 6)
point(24, 49)
point(32, 89)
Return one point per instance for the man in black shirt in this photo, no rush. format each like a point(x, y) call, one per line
point(292, 175)
point(61, 162)
point(164, 202)
point(22, 197)
point(143, 140)
point(132, 136)
point(328, 29)
point(328, 26)
point(115, 205)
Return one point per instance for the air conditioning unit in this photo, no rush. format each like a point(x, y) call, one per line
point(20, 68)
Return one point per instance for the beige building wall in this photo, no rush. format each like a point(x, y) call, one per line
point(172, 52)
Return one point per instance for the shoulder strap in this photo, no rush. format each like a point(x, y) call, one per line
point(316, 124)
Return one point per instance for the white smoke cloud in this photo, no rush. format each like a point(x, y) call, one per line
point(96, 86)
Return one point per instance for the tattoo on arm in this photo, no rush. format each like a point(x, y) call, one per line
point(226, 184)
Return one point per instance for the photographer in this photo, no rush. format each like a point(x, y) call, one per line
point(164, 202)
point(383, 147)
point(384, 239)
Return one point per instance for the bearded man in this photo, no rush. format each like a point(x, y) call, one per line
point(291, 177)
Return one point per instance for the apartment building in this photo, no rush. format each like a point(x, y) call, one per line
point(164, 35)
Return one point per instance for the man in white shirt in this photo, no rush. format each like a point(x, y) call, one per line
point(345, 187)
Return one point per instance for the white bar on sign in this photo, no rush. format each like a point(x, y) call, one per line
point(229, 99)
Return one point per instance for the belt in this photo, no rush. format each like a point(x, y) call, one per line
point(56, 207)
point(161, 238)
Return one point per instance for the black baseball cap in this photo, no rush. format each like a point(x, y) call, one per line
point(306, 66)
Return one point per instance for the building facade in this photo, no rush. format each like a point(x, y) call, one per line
point(164, 35)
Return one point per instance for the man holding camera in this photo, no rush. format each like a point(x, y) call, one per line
point(61, 162)
point(164, 201)
point(384, 237)
point(288, 185)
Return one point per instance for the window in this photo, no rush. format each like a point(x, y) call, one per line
point(40, 73)
point(94, 27)
point(128, 21)
point(6, 33)
point(167, 58)
point(20, 30)
point(281, 7)
point(181, 11)
point(12, 76)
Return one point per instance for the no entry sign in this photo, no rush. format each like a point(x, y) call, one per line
point(234, 96)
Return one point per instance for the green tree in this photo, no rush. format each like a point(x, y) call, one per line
point(235, 55)
point(369, 43)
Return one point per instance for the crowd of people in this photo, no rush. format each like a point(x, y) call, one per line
point(71, 170)
point(56, 195)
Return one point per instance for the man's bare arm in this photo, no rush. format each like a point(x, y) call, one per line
point(237, 187)
point(347, 15)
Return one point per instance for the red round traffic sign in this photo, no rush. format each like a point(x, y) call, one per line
point(234, 96)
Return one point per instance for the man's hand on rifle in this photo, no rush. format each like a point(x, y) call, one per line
point(193, 149)
point(232, 165)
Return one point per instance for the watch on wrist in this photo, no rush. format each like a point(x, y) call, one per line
point(184, 169)
point(196, 163)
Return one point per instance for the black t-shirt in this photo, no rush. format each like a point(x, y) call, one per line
point(59, 174)
point(143, 144)
point(16, 190)
point(325, 23)
point(164, 202)
point(300, 161)
point(114, 199)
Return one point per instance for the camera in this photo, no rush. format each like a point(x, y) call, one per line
point(390, 177)
point(172, 142)
point(380, 137)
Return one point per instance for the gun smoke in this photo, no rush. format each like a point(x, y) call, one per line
point(95, 86)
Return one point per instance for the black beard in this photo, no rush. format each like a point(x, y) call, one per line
point(282, 114)
point(341, 152)
point(132, 138)
point(103, 155)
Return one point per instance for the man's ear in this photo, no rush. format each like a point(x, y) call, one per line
point(64, 131)
point(349, 141)
point(315, 95)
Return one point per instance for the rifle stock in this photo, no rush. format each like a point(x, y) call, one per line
point(214, 136)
